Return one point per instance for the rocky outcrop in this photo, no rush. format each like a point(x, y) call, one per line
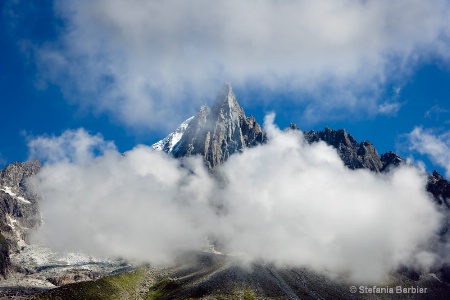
point(440, 188)
point(354, 155)
point(15, 174)
point(18, 209)
point(391, 160)
point(219, 132)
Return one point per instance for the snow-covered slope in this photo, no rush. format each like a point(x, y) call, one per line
point(170, 141)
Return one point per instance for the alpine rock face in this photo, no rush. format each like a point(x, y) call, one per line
point(18, 210)
point(217, 133)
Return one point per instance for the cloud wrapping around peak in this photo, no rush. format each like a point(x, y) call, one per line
point(285, 202)
point(142, 61)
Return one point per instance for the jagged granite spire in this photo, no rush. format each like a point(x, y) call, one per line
point(217, 133)
point(226, 106)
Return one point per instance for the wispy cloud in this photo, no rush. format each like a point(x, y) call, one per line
point(435, 146)
point(144, 62)
point(286, 202)
point(435, 112)
point(389, 108)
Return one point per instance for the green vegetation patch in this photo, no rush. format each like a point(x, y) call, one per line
point(121, 286)
point(131, 286)
point(249, 295)
point(162, 288)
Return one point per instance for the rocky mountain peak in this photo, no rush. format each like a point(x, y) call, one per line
point(389, 160)
point(217, 133)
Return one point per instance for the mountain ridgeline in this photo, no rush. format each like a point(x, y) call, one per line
point(217, 133)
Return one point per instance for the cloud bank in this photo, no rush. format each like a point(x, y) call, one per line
point(287, 202)
point(142, 61)
point(76, 146)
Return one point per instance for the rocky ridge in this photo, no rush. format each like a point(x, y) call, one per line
point(354, 155)
point(364, 156)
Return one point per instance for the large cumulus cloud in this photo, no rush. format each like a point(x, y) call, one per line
point(141, 61)
point(286, 202)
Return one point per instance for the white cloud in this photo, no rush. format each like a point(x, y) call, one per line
point(435, 146)
point(389, 108)
point(285, 202)
point(435, 111)
point(72, 146)
point(142, 61)
point(140, 206)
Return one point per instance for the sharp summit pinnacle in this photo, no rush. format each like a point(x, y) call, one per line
point(217, 133)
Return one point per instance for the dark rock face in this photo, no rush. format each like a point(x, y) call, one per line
point(390, 160)
point(4, 257)
point(219, 132)
point(440, 188)
point(354, 155)
point(18, 209)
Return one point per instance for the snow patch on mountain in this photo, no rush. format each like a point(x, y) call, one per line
point(17, 229)
point(172, 139)
point(7, 190)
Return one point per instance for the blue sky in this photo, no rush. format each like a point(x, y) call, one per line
point(133, 72)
